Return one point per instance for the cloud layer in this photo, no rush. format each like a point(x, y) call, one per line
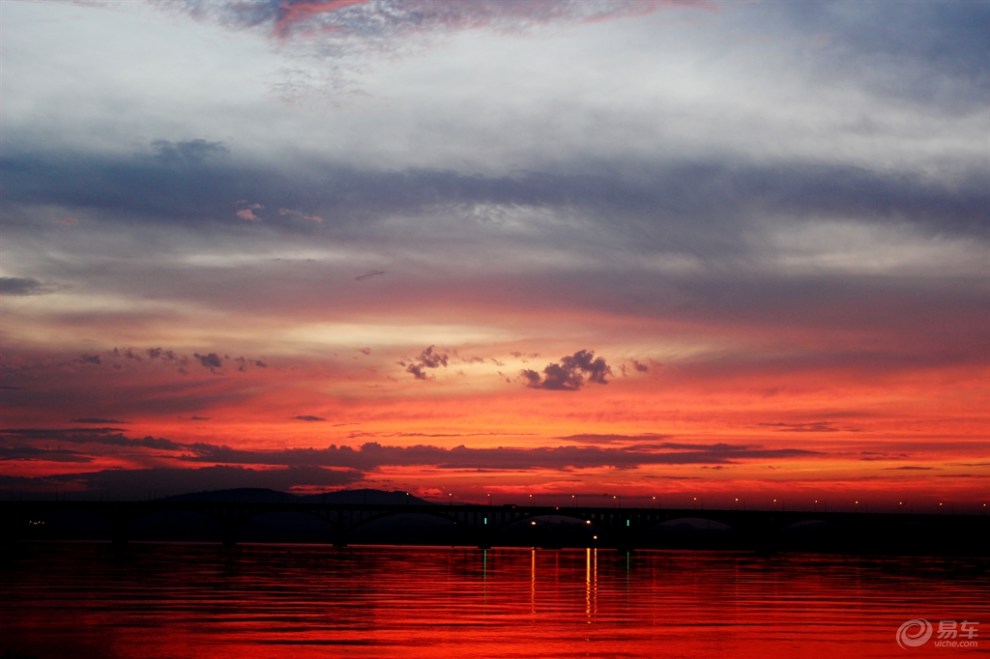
point(237, 224)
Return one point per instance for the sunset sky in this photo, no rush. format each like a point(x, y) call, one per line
point(490, 249)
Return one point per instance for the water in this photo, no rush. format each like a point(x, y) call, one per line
point(198, 600)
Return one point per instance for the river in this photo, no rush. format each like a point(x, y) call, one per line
point(201, 600)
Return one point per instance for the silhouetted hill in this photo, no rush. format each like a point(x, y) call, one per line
point(375, 497)
point(262, 495)
point(240, 495)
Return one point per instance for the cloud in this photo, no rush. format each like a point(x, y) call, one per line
point(160, 353)
point(596, 438)
point(21, 286)
point(308, 417)
point(372, 455)
point(162, 481)
point(247, 213)
point(428, 359)
point(210, 360)
point(300, 215)
point(98, 420)
point(570, 373)
point(81, 436)
point(369, 275)
point(293, 15)
point(192, 152)
point(341, 21)
point(810, 426)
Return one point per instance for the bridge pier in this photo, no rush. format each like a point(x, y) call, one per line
point(229, 537)
point(119, 535)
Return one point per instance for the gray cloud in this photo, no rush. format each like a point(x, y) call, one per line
point(80, 436)
point(673, 202)
point(48, 454)
point(570, 373)
point(372, 455)
point(427, 359)
point(157, 482)
point(210, 360)
point(20, 286)
point(98, 420)
point(809, 426)
point(191, 152)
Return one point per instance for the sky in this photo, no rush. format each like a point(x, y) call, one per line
point(673, 252)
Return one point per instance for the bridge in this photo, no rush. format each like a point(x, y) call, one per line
point(540, 526)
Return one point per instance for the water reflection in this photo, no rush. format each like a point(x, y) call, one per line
point(591, 583)
point(261, 601)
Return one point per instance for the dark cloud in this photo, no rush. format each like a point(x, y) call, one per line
point(674, 204)
point(369, 275)
point(429, 358)
point(159, 353)
point(926, 52)
point(345, 464)
point(377, 25)
point(105, 436)
point(47, 454)
point(98, 420)
point(810, 426)
point(20, 286)
point(595, 438)
point(372, 455)
point(192, 152)
point(308, 417)
point(210, 360)
point(570, 373)
point(157, 482)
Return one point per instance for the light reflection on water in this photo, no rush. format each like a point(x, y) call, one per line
point(188, 600)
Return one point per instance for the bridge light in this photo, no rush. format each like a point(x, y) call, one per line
point(532, 522)
point(628, 522)
point(588, 521)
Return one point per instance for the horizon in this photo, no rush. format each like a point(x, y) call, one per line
point(606, 501)
point(708, 252)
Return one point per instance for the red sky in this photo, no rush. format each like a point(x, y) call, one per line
point(486, 251)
